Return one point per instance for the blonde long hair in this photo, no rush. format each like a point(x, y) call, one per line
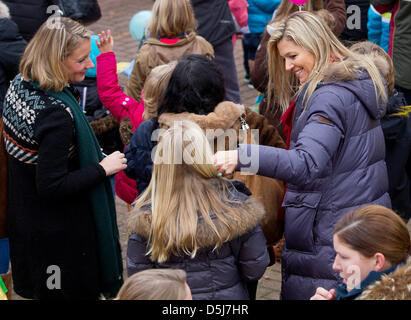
point(171, 18)
point(43, 58)
point(181, 190)
point(306, 30)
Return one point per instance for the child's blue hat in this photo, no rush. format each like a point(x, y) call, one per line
point(138, 24)
point(91, 73)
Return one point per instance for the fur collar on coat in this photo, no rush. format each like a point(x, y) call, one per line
point(250, 212)
point(351, 68)
point(226, 115)
point(393, 286)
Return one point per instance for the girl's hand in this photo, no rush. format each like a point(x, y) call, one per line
point(106, 42)
point(323, 294)
point(114, 163)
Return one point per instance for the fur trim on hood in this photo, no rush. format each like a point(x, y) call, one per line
point(4, 11)
point(350, 74)
point(226, 115)
point(351, 68)
point(393, 286)
point(250, 211)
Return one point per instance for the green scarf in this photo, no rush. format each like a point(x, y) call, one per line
point(100, 197)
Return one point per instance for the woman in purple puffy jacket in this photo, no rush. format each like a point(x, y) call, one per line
point(336, 157)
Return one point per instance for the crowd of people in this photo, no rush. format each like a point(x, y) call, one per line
point(321, 170)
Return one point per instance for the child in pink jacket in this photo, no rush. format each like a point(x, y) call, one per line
point(240, 13)
point(121, 105)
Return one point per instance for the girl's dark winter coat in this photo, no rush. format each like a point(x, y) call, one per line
point(212, 275)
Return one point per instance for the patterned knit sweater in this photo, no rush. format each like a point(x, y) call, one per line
point(21, 107)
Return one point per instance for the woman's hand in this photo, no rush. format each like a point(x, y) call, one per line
point(114, 163)
point(323, 294)
point(226, 161)
point(106, 42)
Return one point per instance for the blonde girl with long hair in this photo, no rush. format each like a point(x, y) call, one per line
point(171, 35)
point(190, 218)
point(335, 160)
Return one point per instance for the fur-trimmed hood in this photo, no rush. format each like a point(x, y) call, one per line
point(349, 73)
point(226, 115)
point(4, 11)
point(393, 286)
point(251, 212)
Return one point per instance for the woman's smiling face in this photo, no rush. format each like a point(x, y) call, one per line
point(78, 62)
point(296, 59)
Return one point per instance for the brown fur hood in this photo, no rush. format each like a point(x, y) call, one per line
point(393, 286)
point(226, 115)
point(251, 213)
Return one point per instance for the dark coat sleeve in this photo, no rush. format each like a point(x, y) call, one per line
point(138, 154)
point(316, 145)
point(29, 15)
point(54, 133)
point(12, 48)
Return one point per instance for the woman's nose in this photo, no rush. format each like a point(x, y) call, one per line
point(288, 65)
point(336, 265)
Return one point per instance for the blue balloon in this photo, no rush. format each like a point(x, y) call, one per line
point(91, 73)
point(138, 24)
